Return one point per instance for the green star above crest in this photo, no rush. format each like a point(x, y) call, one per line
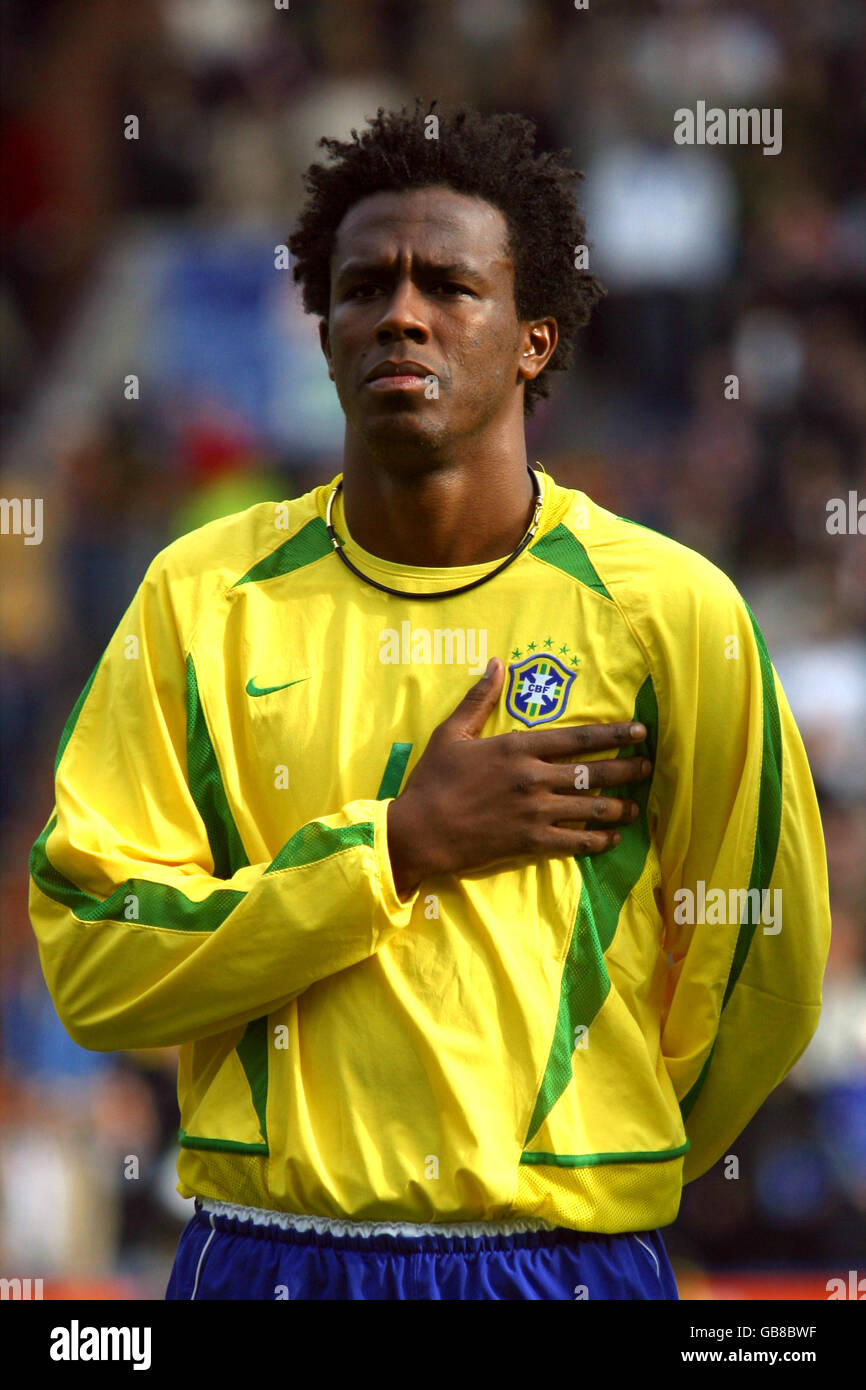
point(549, 644)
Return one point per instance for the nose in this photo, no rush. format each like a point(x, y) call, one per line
point(402, 315)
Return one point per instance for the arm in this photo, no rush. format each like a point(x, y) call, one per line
point(152, 927)
point(737, 811)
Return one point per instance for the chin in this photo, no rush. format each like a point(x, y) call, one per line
point(403, 427)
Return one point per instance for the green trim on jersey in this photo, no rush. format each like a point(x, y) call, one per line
point(394, 770)
point(229, 1146)
point(315, 841)
point(157, 905)
point(310, 543)
point(595, 1160)
point(206, 786)
point(253, 1052)
point(560, 547)
point(766, 838)
point(606, 886)
point(162, 906)
point(207, 790)
point(69, 726)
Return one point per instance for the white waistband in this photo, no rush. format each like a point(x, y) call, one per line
point(290, 1221)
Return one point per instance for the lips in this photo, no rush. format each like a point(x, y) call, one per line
point(405, 368)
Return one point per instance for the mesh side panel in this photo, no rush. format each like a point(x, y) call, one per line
point(643, 893)
point(206, 786)
point(607, 1200)
point(310, 543)
point(316, 841)
point(228, 1177)
point(559, 547)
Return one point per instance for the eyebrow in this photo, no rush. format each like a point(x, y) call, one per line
point(372, 267)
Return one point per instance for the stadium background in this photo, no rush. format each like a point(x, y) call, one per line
point(155, 256)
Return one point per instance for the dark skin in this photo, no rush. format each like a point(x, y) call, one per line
point(425, 277)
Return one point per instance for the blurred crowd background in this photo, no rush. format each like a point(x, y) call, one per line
point(154, 257)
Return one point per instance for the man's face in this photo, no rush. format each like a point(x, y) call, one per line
point(423, 277)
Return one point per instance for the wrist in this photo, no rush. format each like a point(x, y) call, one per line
point(404, 840)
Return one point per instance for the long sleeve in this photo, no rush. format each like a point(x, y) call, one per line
point(744, 876)
point(153, 929)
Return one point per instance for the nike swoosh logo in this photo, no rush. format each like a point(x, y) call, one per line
point(253, 689)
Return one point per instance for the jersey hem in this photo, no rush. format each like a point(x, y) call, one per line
point(322, 1225)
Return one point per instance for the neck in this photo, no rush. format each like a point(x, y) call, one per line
point(441, 516)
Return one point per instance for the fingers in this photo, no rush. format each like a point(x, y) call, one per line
point(588, 810)
point(571, 742)
point(573, 778)
point(571, 842)
point(470, 716)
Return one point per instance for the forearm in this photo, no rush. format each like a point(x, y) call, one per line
point(164, 962)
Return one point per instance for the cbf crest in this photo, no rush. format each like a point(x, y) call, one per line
point(538, 688)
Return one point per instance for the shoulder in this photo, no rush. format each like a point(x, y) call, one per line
point(206, 564)
point(645, 573)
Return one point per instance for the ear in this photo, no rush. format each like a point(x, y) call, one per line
point(325, 345)
point(538, 340)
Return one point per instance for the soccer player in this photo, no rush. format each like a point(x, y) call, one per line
point(443, 818)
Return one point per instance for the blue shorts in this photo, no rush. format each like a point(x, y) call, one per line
point(262, 1255)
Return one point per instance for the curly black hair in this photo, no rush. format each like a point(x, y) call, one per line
point(487, 156)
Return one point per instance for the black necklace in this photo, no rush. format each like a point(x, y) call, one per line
point(445, 593)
